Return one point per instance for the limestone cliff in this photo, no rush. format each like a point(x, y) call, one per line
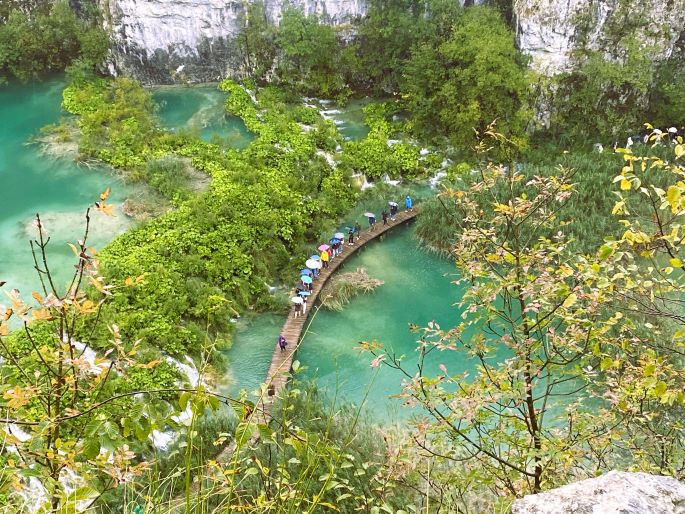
point(163, 41)
point(550, 30)
point(613, 493)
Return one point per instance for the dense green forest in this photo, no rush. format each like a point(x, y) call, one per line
point(571, 260)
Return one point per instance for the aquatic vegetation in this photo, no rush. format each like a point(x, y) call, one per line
point(342, 287)
point(210, 257)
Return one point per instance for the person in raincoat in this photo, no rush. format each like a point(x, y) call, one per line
point(407, 203)
point(282, 343)
point(325, 257)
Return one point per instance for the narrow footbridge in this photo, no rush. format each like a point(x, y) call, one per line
point(281, 362)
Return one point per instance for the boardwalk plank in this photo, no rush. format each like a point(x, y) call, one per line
point(281, 362)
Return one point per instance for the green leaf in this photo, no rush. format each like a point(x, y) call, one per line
point(605, 251)
point(91, 448)
point(660, 388)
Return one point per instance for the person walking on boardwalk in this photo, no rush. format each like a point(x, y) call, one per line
point(407, 203)
point(393, 210)
point(357, 229)
point(372, 222)
point(350, 237)
point(282, 343)
point(324, 258)
point(384, 214)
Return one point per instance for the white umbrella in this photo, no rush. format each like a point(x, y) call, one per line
point(392, 204)
point(312, 264)
point(296, 299)
point(369, 215)
point(339, 235)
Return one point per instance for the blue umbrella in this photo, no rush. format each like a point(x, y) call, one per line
point(305, 279)
point(334, 241)
point(315, 257)
point(304, 293)
point(305, 271)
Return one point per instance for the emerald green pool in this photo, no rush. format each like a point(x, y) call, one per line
point(418, 288)
point(56, 188)
point(200, 110)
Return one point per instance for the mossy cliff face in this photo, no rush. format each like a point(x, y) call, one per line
point(551, 32)
point(166, 41)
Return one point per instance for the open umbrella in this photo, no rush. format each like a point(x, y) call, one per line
point(315, 258)
point(296, 299)
point(339, 235)
point(324, 247)
point(304, 293)
point(349, 228)
point(300, 287)
point(305, 279)
point(369, 215)
point(335, 240)
point(392, 204)
point(305, 271)
point(312, 264)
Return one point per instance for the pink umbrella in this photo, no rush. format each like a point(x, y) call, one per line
point(324, 247)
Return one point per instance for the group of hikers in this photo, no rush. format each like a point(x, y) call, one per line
point(330, 251)
point(385, 214)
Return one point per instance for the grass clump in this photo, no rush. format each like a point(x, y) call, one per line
point(342, 288)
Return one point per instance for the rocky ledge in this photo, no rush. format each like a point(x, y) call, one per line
point(616, 492)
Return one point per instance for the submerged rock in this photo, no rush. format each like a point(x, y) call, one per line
point(617, 492)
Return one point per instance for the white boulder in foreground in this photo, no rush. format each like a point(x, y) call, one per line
point(616, 492)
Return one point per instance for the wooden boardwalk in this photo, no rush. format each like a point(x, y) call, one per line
point(282, 361)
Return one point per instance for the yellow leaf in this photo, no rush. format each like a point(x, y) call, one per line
point(42, 314)
point(150, 364)
point(38, 297)
point(676, 263)
point(625, 185)
point(570, 300)
point(73, 249)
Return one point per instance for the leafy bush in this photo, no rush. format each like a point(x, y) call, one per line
point(41, 42)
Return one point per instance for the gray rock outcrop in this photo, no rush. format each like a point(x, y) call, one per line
point(614, 493)
point(166, 41)
point(549, 31)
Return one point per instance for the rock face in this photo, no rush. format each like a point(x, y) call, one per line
point(166, 41)
point(613, 493)
point(550, 30)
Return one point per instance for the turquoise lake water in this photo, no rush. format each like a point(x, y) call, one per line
point(417, 286)
point(200, 109)
point(58, 189)
point(418, 289)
